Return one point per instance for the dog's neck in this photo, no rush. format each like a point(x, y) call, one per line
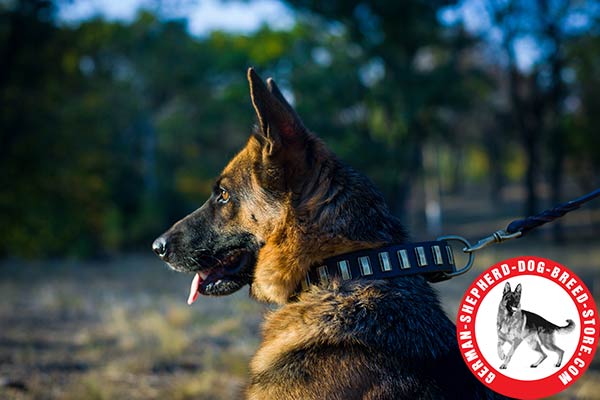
point(328, 216)
point(339, 203)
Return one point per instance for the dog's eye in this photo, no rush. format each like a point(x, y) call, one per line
point(223, 196)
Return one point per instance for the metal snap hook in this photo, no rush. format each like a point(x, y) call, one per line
point(496, 237)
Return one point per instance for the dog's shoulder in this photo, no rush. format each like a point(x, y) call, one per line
point(382, 337)
point(403, 315)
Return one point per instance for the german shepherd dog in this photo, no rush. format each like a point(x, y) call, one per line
point(281, 205)
point(515, 325)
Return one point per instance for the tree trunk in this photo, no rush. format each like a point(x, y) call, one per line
point(557, 133)
point(530, 144)
point(556, 173)
point(431, 186)
point(456, 184)
point(529, 123)
point(494, 151)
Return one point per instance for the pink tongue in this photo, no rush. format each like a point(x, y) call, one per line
point(194, 293)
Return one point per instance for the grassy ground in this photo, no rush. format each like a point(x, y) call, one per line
point(121, 329)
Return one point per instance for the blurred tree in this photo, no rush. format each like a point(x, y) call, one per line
point(110, 131)
point(538, 95)
point(44, 200)
point(408, 78)
point(583, 103)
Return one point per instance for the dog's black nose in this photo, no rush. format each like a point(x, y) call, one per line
point(160, 247)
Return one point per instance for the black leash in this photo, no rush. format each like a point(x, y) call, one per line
point(520, 227)
point(434, 259)
point(527, 224)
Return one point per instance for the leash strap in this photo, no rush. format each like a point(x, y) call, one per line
point(520, 227)
point(433, 259)
point(529, 223)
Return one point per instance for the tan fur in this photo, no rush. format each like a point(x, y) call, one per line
point(311, 321)
point(302, 323)
point(258, 204)
point(290, 248)
point(295, 252)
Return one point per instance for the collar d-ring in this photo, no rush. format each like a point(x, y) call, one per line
point(471, 259)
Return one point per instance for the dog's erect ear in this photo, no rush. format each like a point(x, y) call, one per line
point(276, 118)
point(506, 288)
point(274, 89)
point(518, 293)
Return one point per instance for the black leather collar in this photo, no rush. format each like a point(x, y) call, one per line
point(433, 259)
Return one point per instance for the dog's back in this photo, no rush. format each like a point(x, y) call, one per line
point(539, 324)
point(514, 322)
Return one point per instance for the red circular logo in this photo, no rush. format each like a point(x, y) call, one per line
point(527, 327)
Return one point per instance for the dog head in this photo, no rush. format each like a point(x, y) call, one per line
point(282, 204)
point(511, 300)
point(220, 241)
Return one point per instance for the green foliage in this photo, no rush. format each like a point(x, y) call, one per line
point(110, 131)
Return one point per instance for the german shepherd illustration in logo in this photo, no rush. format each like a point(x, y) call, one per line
point(516, 325)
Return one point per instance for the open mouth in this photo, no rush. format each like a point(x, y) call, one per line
point(229, 275)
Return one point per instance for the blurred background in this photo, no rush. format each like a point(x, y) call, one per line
point(115, 116)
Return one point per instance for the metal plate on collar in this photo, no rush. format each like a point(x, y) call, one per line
point(421, 258)
point(323, 275)
point(403, 259)
point(437, 255)
point(365, 266)
point(344, 270)
point(384, 261)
